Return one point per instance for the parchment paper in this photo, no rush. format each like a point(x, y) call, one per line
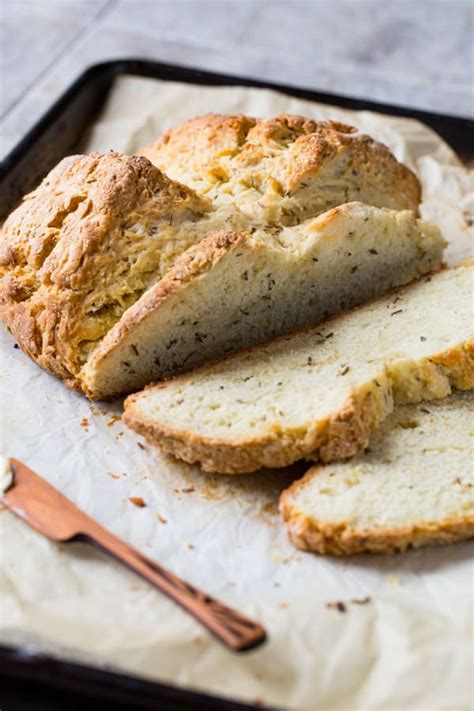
point(404, 640)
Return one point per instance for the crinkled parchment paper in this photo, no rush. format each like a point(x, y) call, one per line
point(404, 639)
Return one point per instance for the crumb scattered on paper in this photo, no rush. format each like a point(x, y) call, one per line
point(115, 475)
point(137, 501)
point(85, 424)
point(394, 581)
point(279, 558)
point(338, 605)
point(361, 601)
point(270, 508)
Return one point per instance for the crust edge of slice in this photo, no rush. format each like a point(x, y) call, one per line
point(339, 436)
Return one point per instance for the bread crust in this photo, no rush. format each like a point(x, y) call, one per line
point(220, 152)
point(340, 538)
point(326, 538)
point(60, 244)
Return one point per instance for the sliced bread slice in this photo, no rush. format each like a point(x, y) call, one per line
point(414, 487)
point(318, 393)
point(234, 290)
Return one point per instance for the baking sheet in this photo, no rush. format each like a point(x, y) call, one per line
point(403, 640)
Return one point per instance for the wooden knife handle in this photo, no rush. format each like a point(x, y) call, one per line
point(233, 629)
point(46, 510)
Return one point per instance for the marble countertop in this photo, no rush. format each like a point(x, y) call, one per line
point(416, 53)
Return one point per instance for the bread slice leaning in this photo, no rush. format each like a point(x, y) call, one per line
point(319, 393)
point(235, 289)
point(413, 487)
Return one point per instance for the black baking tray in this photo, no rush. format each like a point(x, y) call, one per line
point(59, 131)
point(57, 134)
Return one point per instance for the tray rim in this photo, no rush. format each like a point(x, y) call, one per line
point(107, 683)
point(43, 668)
point(150, 68)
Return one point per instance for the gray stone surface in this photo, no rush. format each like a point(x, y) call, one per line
point(416, 53)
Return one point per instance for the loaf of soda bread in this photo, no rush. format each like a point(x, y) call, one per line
point(114, 274)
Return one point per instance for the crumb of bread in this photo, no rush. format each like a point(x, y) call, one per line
point(137, 501)
point(338, 605)
point(394, 581)
point(361, 601)
point(84, 423)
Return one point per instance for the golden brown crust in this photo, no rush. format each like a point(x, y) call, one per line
point(330, 539)
point(207, 135)
point(59, 266)
point(285, 155)
point(340, 538)
point(458, 366)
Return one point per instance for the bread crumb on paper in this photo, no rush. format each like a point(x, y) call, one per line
point(114, 475)
point(394, 581)
point(278, 558)
point(113, 419)
point(338, 605)
point(161, 518)
point(270, 508)
point(361, 601)
point(137, 501)
point(343, 606)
